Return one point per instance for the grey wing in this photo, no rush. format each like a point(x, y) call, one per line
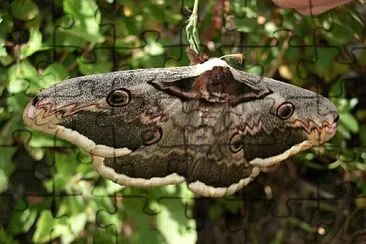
point(175, 139)
point(193, 143)
point(216, 147)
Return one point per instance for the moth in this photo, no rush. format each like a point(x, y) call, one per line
point(209, 124)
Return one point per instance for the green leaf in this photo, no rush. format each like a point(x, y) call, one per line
point(93, 68)
point(246, 25)
point(45, 226)
point(140, 222)
point(22, 221)
point(24, 9)
point(86, 17)
point(3, 181)
point(255, 70)
point(350, 122)
point(353, 102)
point(153, 47)
point(3, 52)
point(6, 159)
point(326, 67)
point(325, 58)
point(346, 105)
point(54, 73)
point(338, 89)
point(21, 77)
point(6, 166)
point(33, 45)
point(49, 228)
point(6, 238)
point(77, 223)
point(174, 225)
point(17, 103)
point(39, 139)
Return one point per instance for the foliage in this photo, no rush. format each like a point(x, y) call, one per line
point(44, 42)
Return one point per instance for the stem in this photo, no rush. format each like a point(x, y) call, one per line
point(191, 29)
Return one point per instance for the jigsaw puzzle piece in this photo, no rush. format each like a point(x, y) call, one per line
point(145, 212)
point(356, 228)
point(239, 218)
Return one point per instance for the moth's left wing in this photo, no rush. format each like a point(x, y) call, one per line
point(96, 112)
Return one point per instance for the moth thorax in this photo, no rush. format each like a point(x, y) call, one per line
point(219, 81)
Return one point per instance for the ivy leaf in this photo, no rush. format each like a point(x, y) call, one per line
point(77, 222)
point(33, 45)
point(3, 52)
point(93, 68)
point(7, 238)
point(22, 221)
point(350, 122)
point(44, 229)
point(6, 166)
point(49, 228)
point(54, 73)
point(86, 17)
point(338, 89)
point(22, 76)
point(24, 9)
point(173, 223)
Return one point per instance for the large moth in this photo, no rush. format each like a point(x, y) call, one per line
point(209, 124)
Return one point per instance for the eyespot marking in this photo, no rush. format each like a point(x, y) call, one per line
point(119, 97)
point(150, 137)
point(236, 143)
point(285, 110)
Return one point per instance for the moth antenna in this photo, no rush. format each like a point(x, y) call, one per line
point(239, 57)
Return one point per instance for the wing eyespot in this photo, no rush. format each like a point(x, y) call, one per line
point(119, 97)
point(285, 110)
point(236, 143)
point(150, 137)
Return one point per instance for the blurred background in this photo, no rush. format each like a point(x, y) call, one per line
point(49, 192)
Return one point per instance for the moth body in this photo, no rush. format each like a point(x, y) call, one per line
point(209, 124)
